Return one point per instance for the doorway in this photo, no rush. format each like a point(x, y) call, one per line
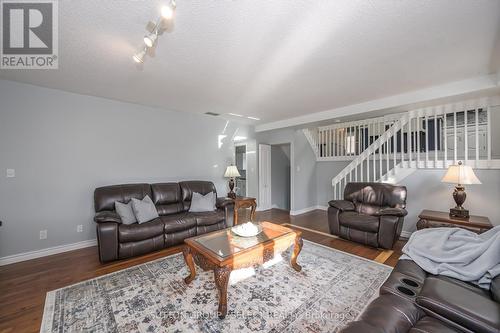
point(281, 177)
point(240, 157)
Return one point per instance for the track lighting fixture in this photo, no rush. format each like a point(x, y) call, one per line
point(139, 57)
point(150, 39)
point(167, 11)
point(156, 29)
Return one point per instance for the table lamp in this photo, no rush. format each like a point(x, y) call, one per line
point(461, 175)
point(231, 173)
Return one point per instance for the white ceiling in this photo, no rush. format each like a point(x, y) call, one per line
point(272, 59)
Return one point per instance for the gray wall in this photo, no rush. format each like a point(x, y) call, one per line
point(64, 145)
point(495, 133)
point(325, 171)
point(280, 180)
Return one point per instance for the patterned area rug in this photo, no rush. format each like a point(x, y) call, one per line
point(330, 291)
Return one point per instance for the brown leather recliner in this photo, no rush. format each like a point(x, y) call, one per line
point(174, 224)
point(371, 214)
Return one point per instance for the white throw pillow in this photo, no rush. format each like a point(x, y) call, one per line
point(126, 212)
point(144, 210)
point(202, 203)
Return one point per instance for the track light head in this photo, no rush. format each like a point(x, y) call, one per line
point(167, 11)
point(139, 57)
point(150, 39)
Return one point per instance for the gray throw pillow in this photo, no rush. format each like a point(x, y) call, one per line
point(144, 209)
point(202, 203)
point(126, 212)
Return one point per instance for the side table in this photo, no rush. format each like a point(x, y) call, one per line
point(244, 202)
point(436, 219)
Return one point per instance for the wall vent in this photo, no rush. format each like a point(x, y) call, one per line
point(212, 114)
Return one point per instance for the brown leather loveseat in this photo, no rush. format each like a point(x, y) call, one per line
point(412, 300)
point(371, 214)
point(174, 224)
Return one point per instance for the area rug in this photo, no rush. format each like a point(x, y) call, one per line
point(331, 290)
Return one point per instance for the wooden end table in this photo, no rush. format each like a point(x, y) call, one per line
point(436, 219)
point(244, 202)
point(222, 251)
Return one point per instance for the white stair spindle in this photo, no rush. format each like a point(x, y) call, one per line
point(488, 132)
point(436, 143)
point(426, 139)
point(466, 136)
point(477, 134)
point(418, 140)
point(455, 148)
point(445, 138)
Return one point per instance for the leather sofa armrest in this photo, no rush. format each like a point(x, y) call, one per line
point(400, 212)
point(224, 202)
point(342, 205)
point(107, 241)
point(495, 288)
point(107, 216)
point(465, 307)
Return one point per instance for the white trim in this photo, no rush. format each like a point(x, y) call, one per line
point(406, 234)
point(46, 252)
point(307, 210)
point(456, 88)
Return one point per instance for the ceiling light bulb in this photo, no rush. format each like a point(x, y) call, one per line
point(150, 39)
point(139, 57)
point(167, 11)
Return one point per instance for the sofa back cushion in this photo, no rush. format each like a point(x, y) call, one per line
point(167, 198)
point(188, 187)
point(370, 197)
point(105, 197)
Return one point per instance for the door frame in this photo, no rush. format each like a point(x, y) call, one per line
point(242, 144)
point(292, 170)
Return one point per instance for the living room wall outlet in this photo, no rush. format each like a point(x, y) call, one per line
point(43, 234)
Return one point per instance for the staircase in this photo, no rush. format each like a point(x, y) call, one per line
point(390, 148)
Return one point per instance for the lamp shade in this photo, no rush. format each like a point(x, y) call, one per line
point(460, 174)
point(231, 172)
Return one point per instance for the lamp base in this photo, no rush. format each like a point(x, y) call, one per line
point(459, 212)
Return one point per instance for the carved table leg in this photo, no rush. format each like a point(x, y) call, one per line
point(188, 258)
point(296, 250)
point(235, 214)
point(221, 276)
point(252, 212)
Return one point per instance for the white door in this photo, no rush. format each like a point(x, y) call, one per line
point(264, 177)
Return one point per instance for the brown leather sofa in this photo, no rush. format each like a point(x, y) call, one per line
point(174, 224)
point(371, 214)
point(412, 300)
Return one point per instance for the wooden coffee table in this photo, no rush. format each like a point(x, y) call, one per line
point(222, 251)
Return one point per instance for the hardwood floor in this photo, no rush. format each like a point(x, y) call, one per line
point(23, 285)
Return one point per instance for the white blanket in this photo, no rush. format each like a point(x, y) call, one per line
point(457, 253)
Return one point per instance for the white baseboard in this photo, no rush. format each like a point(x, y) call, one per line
point(46, 252)
point(306, 210)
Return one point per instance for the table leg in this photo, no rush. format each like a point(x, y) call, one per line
point(252, 212)
point(188, 258)
point(235, 215)
point(221, 276)
point(296, 250)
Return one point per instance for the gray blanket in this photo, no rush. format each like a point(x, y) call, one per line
point(457, 253)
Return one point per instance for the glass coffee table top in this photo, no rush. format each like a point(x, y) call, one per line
point(225, 243)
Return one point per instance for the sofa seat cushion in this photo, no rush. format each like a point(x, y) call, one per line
point(449, 301)
point(360, 222)
point(136, 232)
point(208, 218)
point(429, 324)
point(178, 222)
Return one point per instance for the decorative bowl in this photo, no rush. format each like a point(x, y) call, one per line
point(248, 229)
